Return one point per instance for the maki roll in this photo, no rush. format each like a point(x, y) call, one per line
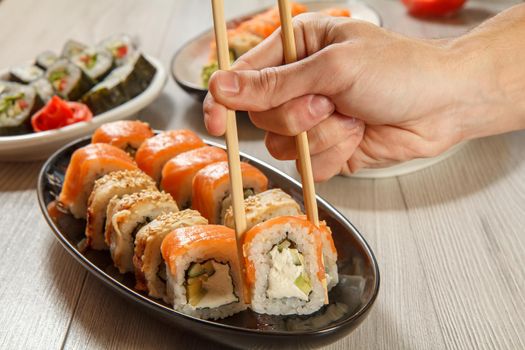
point(113, 185)
point(156, 151)
point(125, 216)
point(68, 80)
point(211, 188)
point(124, 134)
point(46, 59)
point(87, 164)
point(43, 89)
point(17, 103)
point(121, 85)
point(120, 46)
point(150, 270)
point(95, 63)
point(263, 206)
point(202, 270)
point(285, 273)
point(72, 48)
point(25, 74)
point(178, 173)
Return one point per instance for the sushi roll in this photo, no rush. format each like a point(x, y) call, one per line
point(211, 188)
point(124, 134)
point(17, 103)
point(46, 59)
point(25, 74)
point(112, 185)
point(178, 173)
point(120, 46)
point(156, 151)
point(43, 89)
point(202, 270)
point(121, 85)
point(263, 206)
point(72, 48)
point(125, 216)
point(284, 267)
point(150, 270)
point(329, 256)
point(95, 63)
point(68, 80)
point(87, 164)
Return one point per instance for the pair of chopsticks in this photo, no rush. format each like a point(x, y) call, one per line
point(232, 142)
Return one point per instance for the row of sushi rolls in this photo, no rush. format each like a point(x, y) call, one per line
point(58, 90)
point(160, 203)
point(247, 34)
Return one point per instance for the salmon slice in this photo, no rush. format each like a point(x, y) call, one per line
point(124, 134)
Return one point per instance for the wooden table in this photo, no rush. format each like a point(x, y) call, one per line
point(450, 239)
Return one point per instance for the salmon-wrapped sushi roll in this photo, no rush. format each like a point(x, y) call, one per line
point(211, 188)
point(124, 134)
point(178, 173)
point(264, 206)
point(202, 269)
point(284, 266)
point(126, 216)
point(156, 151)
point(88, 164)
point(150, 270)
point(115, 184)
point(329, 254)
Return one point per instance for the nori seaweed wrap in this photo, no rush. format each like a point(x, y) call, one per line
point(68, 80)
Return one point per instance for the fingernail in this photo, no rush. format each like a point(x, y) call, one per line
point(320, 106)
point(350, 122)
point(228, 82)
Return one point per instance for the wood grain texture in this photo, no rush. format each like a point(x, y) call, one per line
point(450, 240)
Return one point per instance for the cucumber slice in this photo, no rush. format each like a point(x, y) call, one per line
point(208, 267)
point(195, 270)
point(303, 283)
point(284, 244)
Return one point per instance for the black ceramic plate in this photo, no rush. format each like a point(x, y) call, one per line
point(350, 300)
point(186, 65)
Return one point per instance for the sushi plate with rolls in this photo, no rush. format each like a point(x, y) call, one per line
point(193, 64)
point(149, 213)
point(58, 97)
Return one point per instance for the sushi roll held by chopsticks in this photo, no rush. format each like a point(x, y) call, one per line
point(285, 273)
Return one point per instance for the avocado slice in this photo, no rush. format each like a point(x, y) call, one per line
point(303, 283)
point(194, 291)
point(208, 268)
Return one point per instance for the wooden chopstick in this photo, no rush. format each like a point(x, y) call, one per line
point(232, 141)
point(301, 140)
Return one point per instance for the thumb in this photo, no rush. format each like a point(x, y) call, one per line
point(260, 90)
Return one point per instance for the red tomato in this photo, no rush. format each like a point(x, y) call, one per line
point(58, 113)
point(429, 8)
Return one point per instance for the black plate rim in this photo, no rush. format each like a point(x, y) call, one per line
point(168, 312)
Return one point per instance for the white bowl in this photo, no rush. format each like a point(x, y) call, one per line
point(40, 145)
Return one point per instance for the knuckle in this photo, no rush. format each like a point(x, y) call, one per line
point(267, 83)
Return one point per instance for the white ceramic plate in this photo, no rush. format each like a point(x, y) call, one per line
point(187, 63)
point(40, 145)
point(406, 167)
